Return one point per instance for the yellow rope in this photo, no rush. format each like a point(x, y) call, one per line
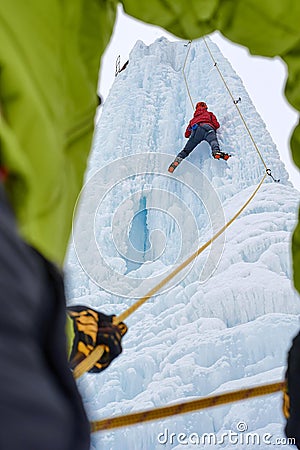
point(186, 407)
point(236, 105)
point(194, 405)
point(93, 357)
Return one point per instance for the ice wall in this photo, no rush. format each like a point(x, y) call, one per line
point(225, 323)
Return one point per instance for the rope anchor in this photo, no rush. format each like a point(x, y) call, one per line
point(236, 101)
point(268, 171)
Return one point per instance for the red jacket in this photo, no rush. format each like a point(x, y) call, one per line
point(202, 115)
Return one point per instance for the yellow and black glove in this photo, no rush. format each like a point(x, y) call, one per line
point(91, 329)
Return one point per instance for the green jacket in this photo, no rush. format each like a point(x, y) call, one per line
point(49, 62)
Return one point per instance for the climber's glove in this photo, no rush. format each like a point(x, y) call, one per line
point(91, 329)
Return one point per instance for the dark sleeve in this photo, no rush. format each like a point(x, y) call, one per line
point(292, 428)
point(188, 131)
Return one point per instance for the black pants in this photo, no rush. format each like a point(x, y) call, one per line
point(40, 407)
point(202, 133)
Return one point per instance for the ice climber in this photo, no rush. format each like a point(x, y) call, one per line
point(202, 127)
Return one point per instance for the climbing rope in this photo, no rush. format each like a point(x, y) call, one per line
point(186, 407)
point(268, 171)
point(93, 357)
point(188, 45)
point(193, 405)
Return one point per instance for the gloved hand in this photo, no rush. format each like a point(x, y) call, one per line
point(188, 132)
point(93, 328)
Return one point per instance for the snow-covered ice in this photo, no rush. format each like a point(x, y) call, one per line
point(227, 321)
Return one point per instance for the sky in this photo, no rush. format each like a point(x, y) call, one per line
point(264, 79)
